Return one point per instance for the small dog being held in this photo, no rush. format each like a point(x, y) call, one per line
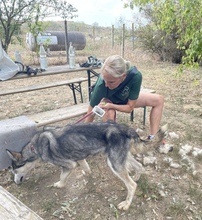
point(66, 146)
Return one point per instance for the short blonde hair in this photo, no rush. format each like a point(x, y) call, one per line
point(116, 66)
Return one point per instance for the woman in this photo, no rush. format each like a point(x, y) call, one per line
point(118, 89)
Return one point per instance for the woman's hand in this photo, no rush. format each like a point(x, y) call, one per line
point(105, 105)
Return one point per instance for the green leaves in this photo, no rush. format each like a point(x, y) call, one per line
point(13, 13)
point(68, 13)
point(182, 17)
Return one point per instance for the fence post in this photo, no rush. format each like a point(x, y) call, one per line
point(123, 41)
point(94, 36)
point(112, 36)
point(133, 36)
point(66, 41)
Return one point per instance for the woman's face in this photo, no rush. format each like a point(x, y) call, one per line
point(110, 81)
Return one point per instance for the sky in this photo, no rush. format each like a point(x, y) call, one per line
point(103, 12)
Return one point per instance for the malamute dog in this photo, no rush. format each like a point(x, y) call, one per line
point(68, 145)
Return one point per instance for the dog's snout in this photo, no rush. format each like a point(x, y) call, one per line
point(18, 179)
point(171, 149)
point(21, 179)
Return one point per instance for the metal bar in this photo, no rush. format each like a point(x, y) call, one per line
point(91, 73)
point(73, 91)
point(144, 116)
point(89, 83)
point(132, 115)
point(94, 73)
point(78, 88)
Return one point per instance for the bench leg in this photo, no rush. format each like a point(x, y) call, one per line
point(91, 74)
point(80, 90)
point(89, 83)
point(132, 115)
point(144, 115)
point(74, 87)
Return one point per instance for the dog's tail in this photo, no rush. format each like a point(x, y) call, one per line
point(159, 137)
point(142, 146)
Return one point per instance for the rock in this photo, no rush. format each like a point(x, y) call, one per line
point(173, 135)
point(149, 160)
point(161, 193)
point(196, 152)
point(165, 148)
point(185, 149)
point(175, 165)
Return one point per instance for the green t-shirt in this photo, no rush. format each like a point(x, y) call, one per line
point(121, 94)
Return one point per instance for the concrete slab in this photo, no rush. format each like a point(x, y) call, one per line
point(14, 134)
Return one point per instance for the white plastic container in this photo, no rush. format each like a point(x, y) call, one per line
point(43, 59)
point(71, 56)
point(18, 57)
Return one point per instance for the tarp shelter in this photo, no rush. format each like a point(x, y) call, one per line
point(8, 68)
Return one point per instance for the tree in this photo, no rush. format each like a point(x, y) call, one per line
point(185, 17)
point(152, 39)
point(13, 13)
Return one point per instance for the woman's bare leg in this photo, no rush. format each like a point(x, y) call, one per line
point(156, 102)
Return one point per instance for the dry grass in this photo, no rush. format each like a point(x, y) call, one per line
point(163, 192)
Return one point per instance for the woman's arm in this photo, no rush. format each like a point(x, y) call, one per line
point(127, 108)
point(90, 118)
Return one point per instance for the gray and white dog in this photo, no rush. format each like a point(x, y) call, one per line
point(66, 146)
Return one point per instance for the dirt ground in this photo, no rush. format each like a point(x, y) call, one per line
point(171, 187)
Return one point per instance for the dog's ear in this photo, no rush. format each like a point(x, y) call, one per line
point(43, 140)
point(15, 156)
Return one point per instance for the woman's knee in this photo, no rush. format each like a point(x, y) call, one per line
point(150, 99)
point(160, 100)
point(109, 115)
point(155, 100)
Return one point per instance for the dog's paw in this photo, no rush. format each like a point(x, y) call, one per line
point(136, 177)
point(124, 205)
point(88, 171)
point(85, 167)
point(59, 184)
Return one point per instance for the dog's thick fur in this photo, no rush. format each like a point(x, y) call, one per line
point(68, 145)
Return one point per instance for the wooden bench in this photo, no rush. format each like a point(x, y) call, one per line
point(74, 84)
point(13, 209)
point(52, 116)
